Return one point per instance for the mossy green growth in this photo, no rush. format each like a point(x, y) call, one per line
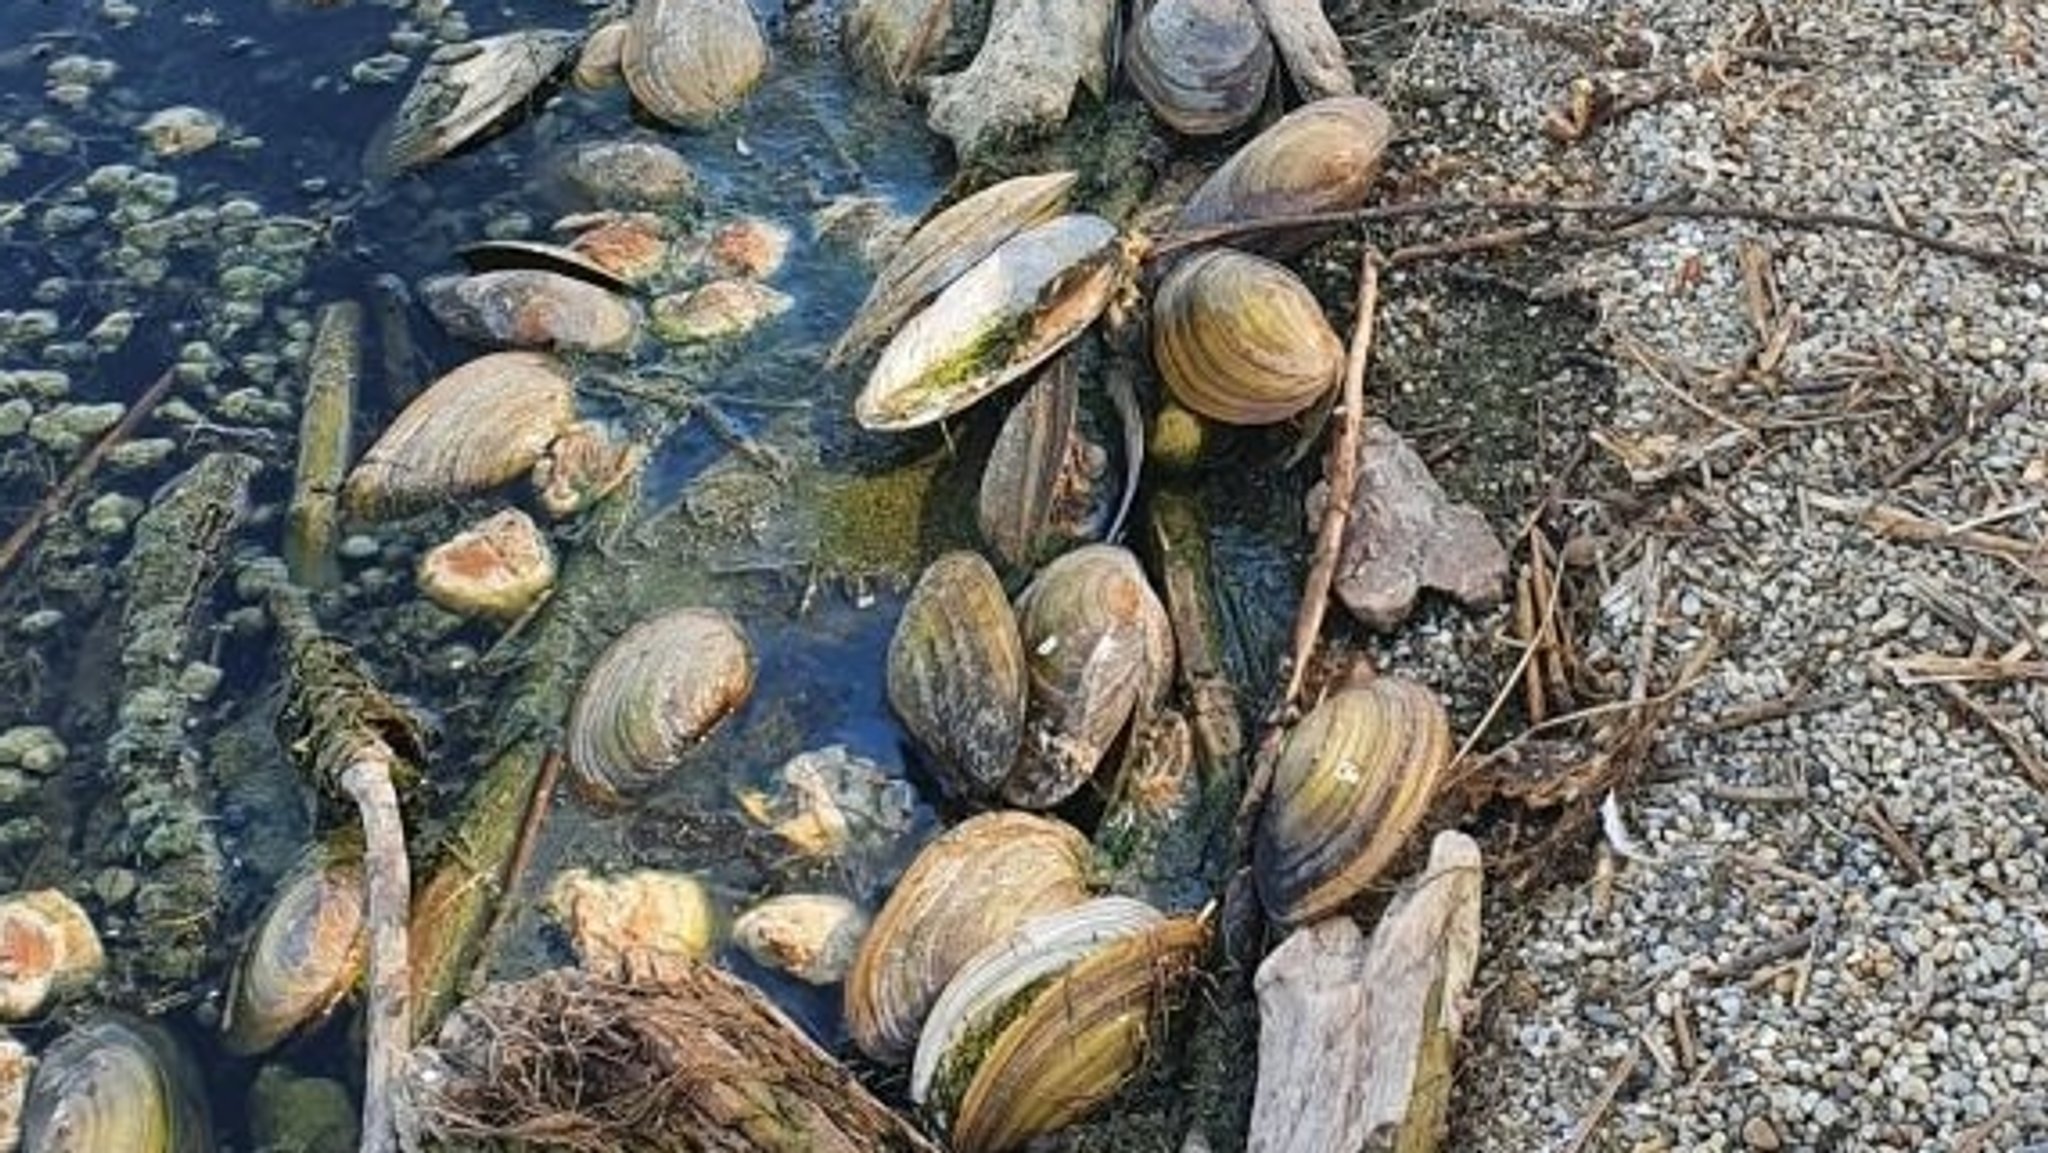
point(957, 1068)
point(890, 521)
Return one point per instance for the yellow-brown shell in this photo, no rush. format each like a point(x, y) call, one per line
point(1351, 783)
point(305, 955)
point(956, 674)
point(1201, 65)
point(115, 1085)
point(498, 567)
point(584, 465)
point(811, 936)
point(690, 62)
point(653, 695)
point(640, 923)
point(1043, 487)
point(968, 888)
point(597, 62)
point(1321, 157)
point(1240, 339)
point(476, 428)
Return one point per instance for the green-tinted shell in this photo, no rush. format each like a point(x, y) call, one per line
point(305, 955)
point(1240, 339)
point(115, 1085)
point(692, 61)
point(657, 691)
point(1351, 783)
point(956, 674)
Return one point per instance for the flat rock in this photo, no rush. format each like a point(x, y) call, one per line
point(1406, 535)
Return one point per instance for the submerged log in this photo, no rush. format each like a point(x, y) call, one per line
point(313, 524)
point(1355, 1037)
point(180, 546)
point(1022, 82)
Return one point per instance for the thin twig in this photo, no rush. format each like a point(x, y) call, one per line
point(1660, 209)
point(67, 489)
point(1941, 444)
point(1604, 1100)
point(515, 868)
point(2031, 764)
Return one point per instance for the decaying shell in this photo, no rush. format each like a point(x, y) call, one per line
point(497, 568)
point(891, 40)
point(16, 1067)
point(1201, 65)
point(466, 88)
point(531, 308)
point(716, 311)
point(582, 466)
point(944, 247)
point(833, 803)
point(1042, 488)
point(1240, 339)
point(641, 923)
point(115, 1085)
point(1098, 646)
point(1002, 318)
point(1071, 1041)
point(621, 174)
point(505, 255)
point(476, 428)
point(632, 246)
point(810, 936)
point(1351, 782)
point(969, 887)
point(956, 674)
point(1321, 157)
point(1036, 949)
point(305, 954)
point(597, 63)
point(48, 951)
point(690, 62)
point(657, 691)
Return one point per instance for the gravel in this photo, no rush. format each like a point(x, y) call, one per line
point(1834, 935)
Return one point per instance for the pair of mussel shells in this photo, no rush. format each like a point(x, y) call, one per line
point(652, 696)
point(1021, 704)
point(531, 294)
point(116, 1085)
point(1020, 1002)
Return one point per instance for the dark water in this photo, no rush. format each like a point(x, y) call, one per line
point(279, 74)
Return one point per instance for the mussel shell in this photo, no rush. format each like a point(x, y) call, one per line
point(1201, 65)
point(810, 936)
point(597, 62)
point(657, 691)
point(969, 887)
point(532, 308)
point(1240, 339)
point(690, 62)
point(956, 674)
point(49, 950)
point(503, 255)
point(473, 430)
point(1077, 1039)
point(1002, 318)
point(466, 88)
point(115, 1085)
point(1038, 948)
point(305, 954)
point(1351, 782)
point(1098, 645)
point(945, 246)
point(1041, 486)
point(1321, 157)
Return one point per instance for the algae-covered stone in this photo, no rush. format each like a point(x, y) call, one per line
point(34, 748)
point(110, 514)
point(720, 309)
point(292, 1114)
point(43, 383)
point(14, 416)
point(141, 455)
point(180, 130)
point(66, 429)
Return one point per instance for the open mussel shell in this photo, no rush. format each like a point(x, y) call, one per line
point(1321, 157)
point(1240, 339)
point(305, 954)
point(956, 674)
point(1046, 483)
point(115, 1085)
point(476, 428)
point(653, 695)
point(1073, 1040)
point(945, 246)
point(1201, 65)
point(504, 255)
point(1038, 948)
point(1002, 318)
point(532, 308)
point(1352, 781)
point(690, 62)
point(466, 88)
point(968, 888)
point(1098, 646)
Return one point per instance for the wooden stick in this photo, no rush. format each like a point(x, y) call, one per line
point(522, 856)
point(67, 489)
point(1658, 209)
point(388, 882)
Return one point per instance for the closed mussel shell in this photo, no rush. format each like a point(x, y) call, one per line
point(466, 88)
point(1240, 339)
point(690, 62)
point(653, 695)
point(532, 308)
point(1097, 645)
point(305, 954)
point(968, 888)
point(1351, 782)
point(1201, 65)
point(1321, 157)
point(1076, 1039)
point(956, 674)
point(115, 1085)
point(473, 430)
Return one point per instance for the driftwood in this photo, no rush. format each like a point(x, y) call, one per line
point(1406, 535)
point(313, 525)
point(180, 546)
point(1022, 81)
point(1309, 47)
point(694, 1060)
point(1356, 1038)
